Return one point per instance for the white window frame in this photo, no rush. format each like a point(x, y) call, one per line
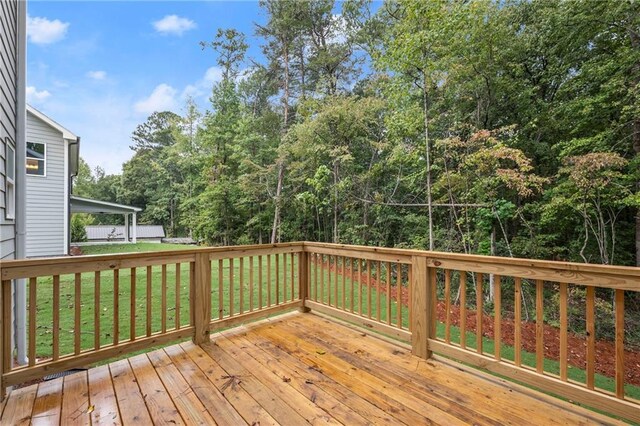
point(44, 160)
point(10, 183)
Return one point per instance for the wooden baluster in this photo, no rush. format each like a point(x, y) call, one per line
point(220, 288)
point(163, 299)
point(329, 280)
point(322, 294)
point(497, 317)
point(539, 326)
point(369, 288)
point(251, 284)
point(241, 284)
point(315, 277)
point(116, 306)
point(5, 334)
point(359, 275)
point(591, 337)
point(563, 332)
point(378, 276)
point(178, 279)
point(447, 305)
point(463, 309)
point(351, 265)
point(132, 306)
point(56, 317)
point(293, 277)
point(96, 311)
point(517, 342)
point(284, 277)
point(77, 327)
point(193, 276)
point(268, 280)
point(149, 280)
point(398, 295)
point(277, 279)
point(335, 281)
point(619, 308)
point(410, 295)
point(388, 296)
point(231, 287)
point(344, 283)
point(260, 282)
point(479, 313)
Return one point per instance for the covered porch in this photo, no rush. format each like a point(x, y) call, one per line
point(87, 205)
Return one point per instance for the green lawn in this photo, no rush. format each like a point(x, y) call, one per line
point(273, 289)
point(133, 248)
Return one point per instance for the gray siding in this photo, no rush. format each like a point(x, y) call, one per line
point(8, 108)
point(46, 195)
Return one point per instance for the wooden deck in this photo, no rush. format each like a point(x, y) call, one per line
point(292, 370)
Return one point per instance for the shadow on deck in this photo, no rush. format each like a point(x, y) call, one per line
point(291, 370)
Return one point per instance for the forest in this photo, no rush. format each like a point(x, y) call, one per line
point(509, 128)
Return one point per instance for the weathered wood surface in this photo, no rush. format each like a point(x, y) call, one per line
point(294, 369)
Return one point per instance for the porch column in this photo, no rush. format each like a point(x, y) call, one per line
point(133, 227)
point(126, 227)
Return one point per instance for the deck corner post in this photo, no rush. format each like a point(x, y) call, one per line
point(202, 298)
point(421, 307)
point(3, 390)
point(303, 279)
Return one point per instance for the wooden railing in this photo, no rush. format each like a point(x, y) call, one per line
point(82, 310)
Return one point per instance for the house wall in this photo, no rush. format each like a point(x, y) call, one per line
point(8, 113)
point(46, 197)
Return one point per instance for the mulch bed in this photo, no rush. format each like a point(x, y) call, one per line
point(605, 352)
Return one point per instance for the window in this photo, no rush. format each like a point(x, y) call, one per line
point(10, 189)
point(36, 157)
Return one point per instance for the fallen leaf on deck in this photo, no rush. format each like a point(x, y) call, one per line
point(91, 408)
point(320, 352)
point(286, 379)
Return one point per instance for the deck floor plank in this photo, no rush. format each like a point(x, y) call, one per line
point(186, 401)
point(210, 397)
point(277, 357)
point(250, 410)
point(250, 356)
point(75, 399)
point(156, 397)
point(131, 402)
point(47, 407)
point(294, 369)
point(266, 397)
point(19, 406)
point(398, 364)
point(337, 368)
point(104, 407)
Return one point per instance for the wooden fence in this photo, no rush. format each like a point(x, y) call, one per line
point(82, 310)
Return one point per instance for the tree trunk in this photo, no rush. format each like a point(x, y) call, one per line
point(285, 123)
point(428, 159)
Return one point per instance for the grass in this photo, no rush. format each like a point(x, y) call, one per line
point(174, 291)
point(133, 248)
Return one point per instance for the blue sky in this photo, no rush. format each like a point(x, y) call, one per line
point(100, 68)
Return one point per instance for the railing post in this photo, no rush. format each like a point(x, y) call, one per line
point(202, 298)
point(3, 389)
point(303, 279)
point(422, 307)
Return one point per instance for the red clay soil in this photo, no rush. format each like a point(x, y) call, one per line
point(576, 344)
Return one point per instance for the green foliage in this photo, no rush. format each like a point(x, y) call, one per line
point(78, 223)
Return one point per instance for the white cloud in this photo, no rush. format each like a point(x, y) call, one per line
point(97, 75)
point(44, 31)
point(203, 86)
point(174, 24)
point(162, 98)
point(33, 96)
